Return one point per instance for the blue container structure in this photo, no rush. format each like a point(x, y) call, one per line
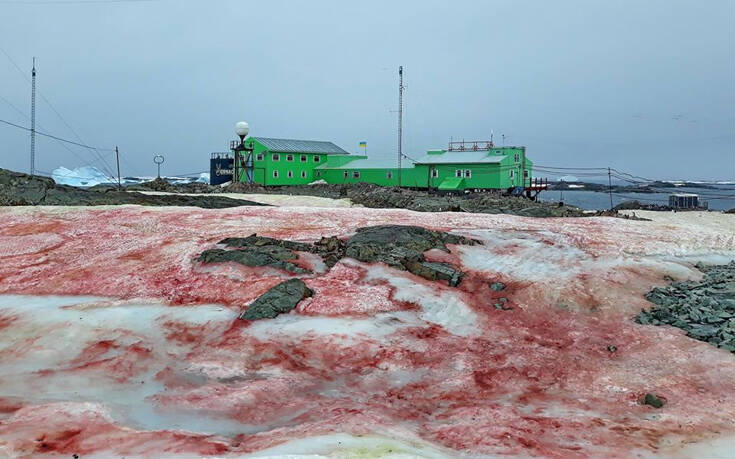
point(220, 168)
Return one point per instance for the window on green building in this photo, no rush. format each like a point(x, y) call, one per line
point(434, 173)
point(458, 173)
point(289, 174)
point(525, 174)
point(303, 158)
point(259, 157)
point(317, 159)
point(289, 157)
point(356, 174)
point(389, 174)
point(275, 174)
point(276, 157)
point(303, 174)
point(512, 174)
point(517, 158)
point(346, 174)
point(468, 173)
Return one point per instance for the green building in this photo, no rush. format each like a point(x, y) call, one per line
point(288, 161)
point(489, 168)
point(462, 166)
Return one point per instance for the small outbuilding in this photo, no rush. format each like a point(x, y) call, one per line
point(685, 201)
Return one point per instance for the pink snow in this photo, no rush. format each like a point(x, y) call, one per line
point(154, 362)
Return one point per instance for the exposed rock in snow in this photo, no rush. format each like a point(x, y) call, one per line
point(278, 300)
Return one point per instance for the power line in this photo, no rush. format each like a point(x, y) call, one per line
point(573, 168)
point(104, 164)
point(55, 138)
point(62, 144)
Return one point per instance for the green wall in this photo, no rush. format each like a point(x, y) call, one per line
point(265, 164)
point(305, 168)
point(345, 174)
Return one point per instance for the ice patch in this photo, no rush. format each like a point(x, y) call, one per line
point(533, 256)
point(38, 355)
point(441, 307)
point(296, 326)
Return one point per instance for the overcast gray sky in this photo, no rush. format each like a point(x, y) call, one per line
point(644, 86)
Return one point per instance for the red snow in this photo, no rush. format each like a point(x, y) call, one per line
point(537, 377)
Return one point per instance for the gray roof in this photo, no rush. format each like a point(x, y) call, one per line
point(300, 146)
point(379, 163)
point(463, 157)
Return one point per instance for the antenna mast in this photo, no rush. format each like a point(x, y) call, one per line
point(400, 122)
point(33, 118)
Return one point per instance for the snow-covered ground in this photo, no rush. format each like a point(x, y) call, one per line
point(278, 199)
point(114, 342)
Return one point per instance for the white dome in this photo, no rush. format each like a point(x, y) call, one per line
point(242, 128)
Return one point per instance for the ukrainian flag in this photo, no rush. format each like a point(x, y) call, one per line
point(363, 144)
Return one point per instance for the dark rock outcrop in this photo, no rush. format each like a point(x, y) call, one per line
point(375, 196)
point(704, 309)
point(259, 241)
point(332, 249)
point(653, 400)
point(18, 189)
point(280, 299)
point(271, 256)
point(397, 246)
point(403, 247)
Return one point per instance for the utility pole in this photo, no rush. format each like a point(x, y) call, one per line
point(33, 118)
point(609, 186)
point(400, 122)
point(117, 156)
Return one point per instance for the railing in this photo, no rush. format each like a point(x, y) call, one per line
point(471, 145)
point(537, 183)
point(221, 155)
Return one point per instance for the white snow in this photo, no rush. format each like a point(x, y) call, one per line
point(441, 307)
point(296, 326)
point(79, 321)
point(279, 200)
point(81, 176)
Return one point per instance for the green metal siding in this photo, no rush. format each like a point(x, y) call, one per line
point(506, 173)
point(382, 176)
point(265, 164)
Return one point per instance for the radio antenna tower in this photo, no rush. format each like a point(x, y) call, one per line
point(33, 118)
point(400, 122)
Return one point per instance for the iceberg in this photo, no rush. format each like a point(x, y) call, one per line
point(81, 176)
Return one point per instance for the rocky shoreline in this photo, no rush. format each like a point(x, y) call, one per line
point(18, 189)
point(374, 196)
